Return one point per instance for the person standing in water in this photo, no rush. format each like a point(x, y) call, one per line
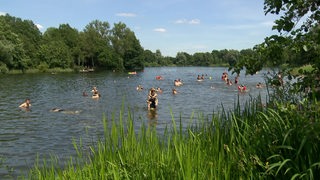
point(152, 99)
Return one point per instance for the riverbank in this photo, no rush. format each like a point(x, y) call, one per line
point(34, 71)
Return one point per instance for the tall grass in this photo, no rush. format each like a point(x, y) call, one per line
point(253, 143)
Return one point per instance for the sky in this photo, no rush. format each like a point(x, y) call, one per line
point(170, 26)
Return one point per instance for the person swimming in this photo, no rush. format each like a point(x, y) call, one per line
point(242, 88)
point(159, 90)
point(229, 82)
point(178, 82)
point(56, 110)
point(259, 85)
point(139, 88)
point(84, 93)
point(236, 79)
point(65, 111)
point(174, 91)
point(95, 92)
point(159, 78)
point(25, 104)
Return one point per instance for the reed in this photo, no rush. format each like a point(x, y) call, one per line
point(255, 142)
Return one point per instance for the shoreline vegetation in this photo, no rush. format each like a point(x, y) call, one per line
point(34, 71)
point(258, 141)
point(70, 70)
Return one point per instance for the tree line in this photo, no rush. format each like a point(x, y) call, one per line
point(23, 47)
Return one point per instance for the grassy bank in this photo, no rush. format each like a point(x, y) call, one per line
point(255, 143)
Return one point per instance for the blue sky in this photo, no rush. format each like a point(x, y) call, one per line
point(168, 25)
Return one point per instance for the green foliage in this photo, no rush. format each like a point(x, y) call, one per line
point(3, 68)
point(55, 54)
point(22, 46)
point(43, 67)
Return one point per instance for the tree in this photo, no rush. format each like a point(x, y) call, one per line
point(28, 33)
point(149, 58)
point(299, 22)
point(181, 59)
point(22, 38)
point(127, 46)
point(94, 41)
point(55, 54)
point(298, 42)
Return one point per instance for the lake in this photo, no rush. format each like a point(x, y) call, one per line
point(26, 134)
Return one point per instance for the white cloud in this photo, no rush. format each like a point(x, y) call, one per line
point(39, 26)
point(162, 30)
point(2, 13)
point(126, 14)
point(194, 21)
point(185, 21)
point(180, 21)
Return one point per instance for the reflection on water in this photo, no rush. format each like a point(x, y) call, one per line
point(24, 134)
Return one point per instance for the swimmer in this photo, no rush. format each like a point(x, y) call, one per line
point(159, 78)
point(56, 110)
point(178, 82)
point(236, 79)
point(224, 76)
point(229, 82)
point(25, 104)
point(65, 111)
point(174, 91)
point(84, 93)
point(242, 88)
point(259, 85)
point(159, 90)
point(139, 88)
point(95, 93)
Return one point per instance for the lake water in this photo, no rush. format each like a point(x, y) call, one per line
point(26, 134)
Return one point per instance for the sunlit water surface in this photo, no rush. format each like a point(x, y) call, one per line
point(24, 135)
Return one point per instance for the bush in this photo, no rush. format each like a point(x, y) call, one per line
point(43, 67)
point(3, 69)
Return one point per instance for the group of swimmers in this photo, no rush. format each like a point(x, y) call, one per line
point(225, 77)
point(200, 78)
point(241, 88)
point(27, 105)
point(95, 93)
point(152, 100)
